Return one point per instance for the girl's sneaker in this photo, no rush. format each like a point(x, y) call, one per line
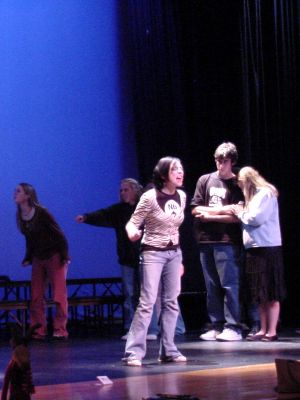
point(170, 359)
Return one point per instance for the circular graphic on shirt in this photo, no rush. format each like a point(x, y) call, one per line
point(172, 208)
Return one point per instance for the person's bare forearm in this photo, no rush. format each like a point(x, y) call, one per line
point(229, 219)
point(204, 209)
point(224, 218)
point(213, 211)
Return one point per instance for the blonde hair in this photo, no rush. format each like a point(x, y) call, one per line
point(251, 180)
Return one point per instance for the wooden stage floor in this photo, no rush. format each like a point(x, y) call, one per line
point(237, 370)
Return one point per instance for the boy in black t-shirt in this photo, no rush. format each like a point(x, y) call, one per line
point(219, 239)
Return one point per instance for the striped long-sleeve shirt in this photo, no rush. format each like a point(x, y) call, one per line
point(161, 225)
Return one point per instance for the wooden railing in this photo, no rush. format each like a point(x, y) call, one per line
point(92, 300)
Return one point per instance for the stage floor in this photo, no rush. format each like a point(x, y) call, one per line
point(68, 370)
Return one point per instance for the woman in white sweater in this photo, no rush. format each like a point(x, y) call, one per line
point(156, 219)
point(262, 241)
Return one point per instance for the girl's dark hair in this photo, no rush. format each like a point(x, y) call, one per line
point(32, 200)
point(161, 171)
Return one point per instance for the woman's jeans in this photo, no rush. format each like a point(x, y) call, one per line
point(157, 267)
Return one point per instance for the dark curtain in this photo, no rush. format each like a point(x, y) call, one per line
point(271, 105)
point(270, 69)
point(204, 72)
point(156, 82)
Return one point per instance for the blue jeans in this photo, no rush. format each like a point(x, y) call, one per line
point(250, 311)
point(131, 290)
point(253, 313)
point(130, 282)
point(157, 267)
point(180, 326)
point(221, 270)
point(154, 327)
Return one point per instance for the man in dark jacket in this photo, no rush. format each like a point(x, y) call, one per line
point(116, 216)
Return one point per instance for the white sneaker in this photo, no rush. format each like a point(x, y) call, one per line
point(180, 359)
point(210, 335)
point(151, 336)
point(133, 362)
point(229, 335)
point(125, 337)
point(170, 359)
point(57, 336)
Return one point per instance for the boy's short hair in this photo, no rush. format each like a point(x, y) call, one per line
point(226, 150)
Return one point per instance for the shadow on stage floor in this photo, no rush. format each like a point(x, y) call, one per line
point(215, 370)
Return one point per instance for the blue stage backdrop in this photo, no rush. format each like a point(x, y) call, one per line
point(62, 125)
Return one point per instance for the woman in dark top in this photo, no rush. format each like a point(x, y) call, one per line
point(47, 252)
